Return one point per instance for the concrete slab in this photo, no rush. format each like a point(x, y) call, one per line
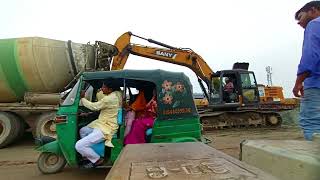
point(174, 161)
point(285, 159)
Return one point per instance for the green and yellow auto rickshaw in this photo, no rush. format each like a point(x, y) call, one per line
point(177, 118)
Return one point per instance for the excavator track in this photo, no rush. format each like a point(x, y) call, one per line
point(239, 119)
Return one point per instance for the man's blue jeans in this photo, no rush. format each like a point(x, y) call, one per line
point(310, 112)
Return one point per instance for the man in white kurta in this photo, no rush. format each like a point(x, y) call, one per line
point(102, 128)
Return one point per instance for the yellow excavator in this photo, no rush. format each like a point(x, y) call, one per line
point(238, 106)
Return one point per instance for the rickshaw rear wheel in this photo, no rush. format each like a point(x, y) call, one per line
point(50, 163)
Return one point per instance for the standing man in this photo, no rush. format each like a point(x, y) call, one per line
point(307, 83)
point(102, 128)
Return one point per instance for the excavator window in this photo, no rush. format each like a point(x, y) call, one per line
point(215, 91)
point(248, 80)
point(249, 87)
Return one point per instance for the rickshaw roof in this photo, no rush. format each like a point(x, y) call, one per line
point(155, 76)
point(174, 89)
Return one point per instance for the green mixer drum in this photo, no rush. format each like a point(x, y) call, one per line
point(37, 64)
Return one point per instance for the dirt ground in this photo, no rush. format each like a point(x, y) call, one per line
point(228, 141)
point(19, 160)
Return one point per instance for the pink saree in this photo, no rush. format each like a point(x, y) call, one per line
point(137, 134)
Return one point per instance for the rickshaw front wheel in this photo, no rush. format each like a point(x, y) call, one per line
point(50, 163)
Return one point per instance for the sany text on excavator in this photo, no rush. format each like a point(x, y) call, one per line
point(233, 105)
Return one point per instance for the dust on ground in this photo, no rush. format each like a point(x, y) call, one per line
point(19, 162)
point(228, 141)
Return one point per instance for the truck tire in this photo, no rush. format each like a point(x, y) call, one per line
point(8, 129)
point(21, 126)
point(50, 163)
point(45, 125)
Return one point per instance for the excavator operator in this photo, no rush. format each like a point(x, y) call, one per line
point(228, 90)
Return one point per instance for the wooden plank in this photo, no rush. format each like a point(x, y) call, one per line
point(285, 159)
point(180, 161)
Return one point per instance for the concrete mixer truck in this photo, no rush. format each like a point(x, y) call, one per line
point(33, 71)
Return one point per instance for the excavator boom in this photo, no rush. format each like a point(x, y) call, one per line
point(184, 57)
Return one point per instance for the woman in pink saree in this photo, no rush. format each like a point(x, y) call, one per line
point(137, 106)
point(137, 134)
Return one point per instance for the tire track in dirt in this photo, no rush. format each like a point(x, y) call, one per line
point(16, 163)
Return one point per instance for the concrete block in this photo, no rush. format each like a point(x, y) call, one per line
point(285, 159)
point(180, 161)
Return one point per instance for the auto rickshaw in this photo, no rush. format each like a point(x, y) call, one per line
point(177, 117)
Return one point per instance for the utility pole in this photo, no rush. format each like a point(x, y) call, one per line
point(269, 75)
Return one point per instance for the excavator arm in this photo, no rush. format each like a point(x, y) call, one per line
point(184, 57)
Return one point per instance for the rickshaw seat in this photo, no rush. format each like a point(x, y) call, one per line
point(99, 148)
point(149, 132)
point(120, 116)
point(119, 121)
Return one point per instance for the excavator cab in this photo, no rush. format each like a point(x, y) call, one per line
point(233, 89)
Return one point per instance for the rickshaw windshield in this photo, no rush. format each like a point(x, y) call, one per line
point(71, 96)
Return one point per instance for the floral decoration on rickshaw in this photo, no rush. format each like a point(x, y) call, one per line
point(179, 87)
point(166, 85)
point(172, 94)
point(167, 99)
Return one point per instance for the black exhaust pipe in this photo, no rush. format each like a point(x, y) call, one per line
point(44, 140)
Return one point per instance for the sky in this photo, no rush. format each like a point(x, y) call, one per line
point(263, 33)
